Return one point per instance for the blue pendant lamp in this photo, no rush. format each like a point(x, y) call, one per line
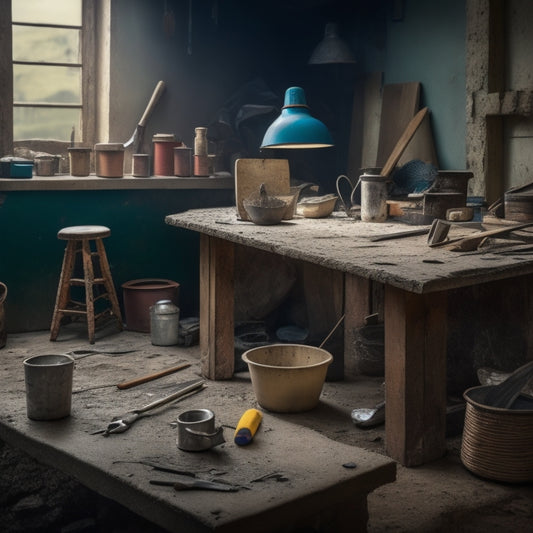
point(295, 127)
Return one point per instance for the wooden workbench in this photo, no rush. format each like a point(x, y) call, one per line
point(416, 278)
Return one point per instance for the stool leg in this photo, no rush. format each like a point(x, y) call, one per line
point(88, 274)
point(63, 290)
point(108, 281)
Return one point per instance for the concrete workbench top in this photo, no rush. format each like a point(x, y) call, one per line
point(341, 243)
point(316, 482)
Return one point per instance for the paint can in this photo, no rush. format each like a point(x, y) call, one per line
point(79, 160)
point(182, 161)
point(140, 166)
point(373, 198)
point(109, 160)
point(164, 144)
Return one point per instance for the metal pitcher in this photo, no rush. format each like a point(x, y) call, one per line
point(164, 323)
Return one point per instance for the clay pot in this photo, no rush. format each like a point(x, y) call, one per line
point(141, 294)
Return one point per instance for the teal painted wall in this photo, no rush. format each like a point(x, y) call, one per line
point(247, 40)
point(141, 245)
point(428, 46)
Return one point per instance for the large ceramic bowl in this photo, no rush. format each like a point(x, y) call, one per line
point(287, 378)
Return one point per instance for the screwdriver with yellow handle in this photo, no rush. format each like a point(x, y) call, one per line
point(247, 427)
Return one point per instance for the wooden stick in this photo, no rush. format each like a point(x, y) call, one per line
point(332, 331)
point(144, 379)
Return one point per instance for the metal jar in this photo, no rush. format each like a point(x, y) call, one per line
point(164, 323)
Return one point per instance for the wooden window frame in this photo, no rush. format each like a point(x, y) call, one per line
point(88, 76)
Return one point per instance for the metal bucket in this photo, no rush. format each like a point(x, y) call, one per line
point(3, 333)
point(48, 386)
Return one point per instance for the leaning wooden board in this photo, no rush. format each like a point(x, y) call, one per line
point(399, 105)
point(250, 173)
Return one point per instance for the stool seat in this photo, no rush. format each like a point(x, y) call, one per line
point(84, 232)
point(97, 283)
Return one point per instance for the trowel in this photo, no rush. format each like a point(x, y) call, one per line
point(138, 134)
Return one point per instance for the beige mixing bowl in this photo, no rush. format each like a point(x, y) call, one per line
point(287, 378)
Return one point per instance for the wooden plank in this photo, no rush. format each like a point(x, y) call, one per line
point(357, 306)
point(415, 376)
point(250, 173)
point(216, 307)
point(356, 130)
point(372, 118)
point(399, 105)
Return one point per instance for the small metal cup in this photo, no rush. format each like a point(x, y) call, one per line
point(196, 430)
point(48, 381)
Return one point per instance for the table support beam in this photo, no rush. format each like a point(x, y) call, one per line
point(217, 307)
point(415, 370)
point(358, 305)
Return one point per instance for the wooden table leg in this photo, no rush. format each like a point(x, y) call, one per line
point(415, 375)
point(357, 307)
point(216, 307)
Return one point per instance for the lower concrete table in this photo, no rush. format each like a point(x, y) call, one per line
point(417, 280)
point(289, 476)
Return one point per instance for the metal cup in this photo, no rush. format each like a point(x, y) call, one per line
point(48, 386)
point(196, 430)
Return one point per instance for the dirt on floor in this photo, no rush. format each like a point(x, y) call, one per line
point(439, 497)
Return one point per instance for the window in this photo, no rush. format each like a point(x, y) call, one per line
point(52, 60)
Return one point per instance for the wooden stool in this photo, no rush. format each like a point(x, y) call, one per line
point(79, 240)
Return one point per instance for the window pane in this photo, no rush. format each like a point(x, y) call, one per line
point(47, 11)
point(36, 83)
point(57, 45)
point(44, 123)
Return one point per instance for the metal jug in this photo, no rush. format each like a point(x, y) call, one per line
point(164, 323)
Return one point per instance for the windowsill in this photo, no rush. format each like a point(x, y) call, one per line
point(65, 182)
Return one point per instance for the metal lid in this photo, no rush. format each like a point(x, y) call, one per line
point(164, 137)
point(164, 307)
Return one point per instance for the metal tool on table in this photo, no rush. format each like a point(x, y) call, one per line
point(123, 423)
point(438, 236)
point(138, 134)
point(186, 483)
point(197, 431)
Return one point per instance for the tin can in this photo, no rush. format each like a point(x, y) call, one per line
point(164, 144)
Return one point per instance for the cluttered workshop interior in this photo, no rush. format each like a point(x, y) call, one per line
point(266, 266)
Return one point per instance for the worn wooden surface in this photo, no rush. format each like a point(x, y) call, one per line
point(340, 243)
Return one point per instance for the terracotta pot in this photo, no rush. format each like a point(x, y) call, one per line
point(109, 160)
point(140, 294)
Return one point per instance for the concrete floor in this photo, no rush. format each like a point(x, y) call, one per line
point(440, 497)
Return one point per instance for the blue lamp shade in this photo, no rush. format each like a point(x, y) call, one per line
point(295, 127)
